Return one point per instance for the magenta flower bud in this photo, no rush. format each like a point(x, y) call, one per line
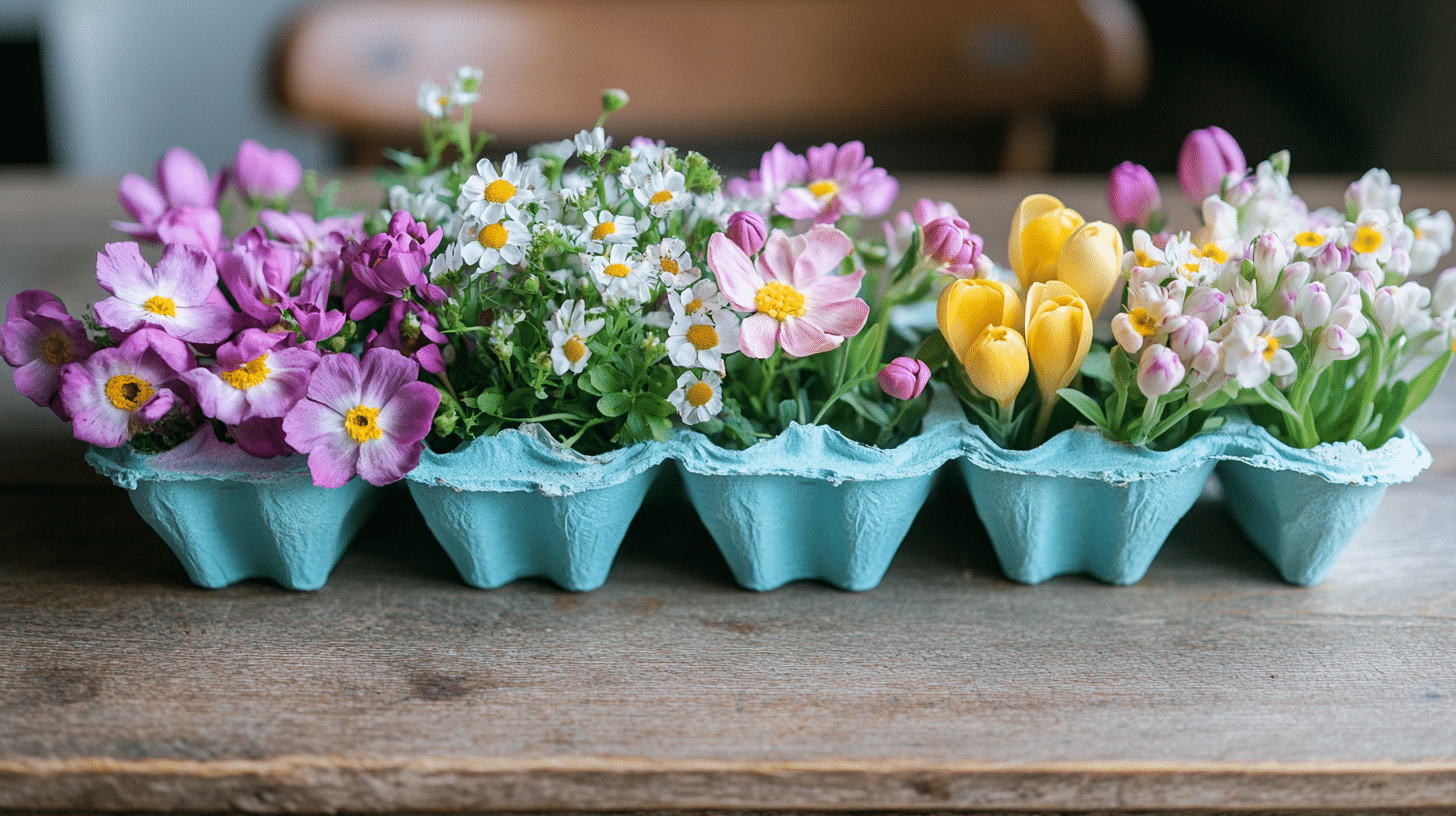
point(748, 230)
point(1133, 195)
point(1188, 339)
point(266, 175)
point(1159, 371)
point(904, 378)
point(1208, 155)
point(946, 239)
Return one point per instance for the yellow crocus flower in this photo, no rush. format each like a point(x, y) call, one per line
point(1091, 262)
point(967, 306)
point(1039, 228)
point(997, 365)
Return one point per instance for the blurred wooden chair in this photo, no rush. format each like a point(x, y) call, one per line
point(718, 69)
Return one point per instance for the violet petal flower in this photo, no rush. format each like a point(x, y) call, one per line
point(253, 378)
point(261, 437)
point(181, 181)
point(266, 175)
point(1132, 194)
point(841, 181)
point(367, 418)
point(1207, 156)
point(39, 337)
point(904, 378)
point(180, 296)
point(108, 394)
point(748, 230)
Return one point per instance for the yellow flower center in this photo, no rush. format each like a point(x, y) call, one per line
point(692, 306)
point(128, 392)
point(499, 191)
point(602, 230)
point(247, 375)
point(1309, 239)
point(823, 189)
point(779, 301)
point(573, 349)
point(56, 350)
point(156, 304)
point(660, 197)
point(670, 266)
point(1145, 323)
point(699, 393)
point(1270, 349)
point(1416, 232)
point(617, 270)
point(1367, 239)
point(493, 236)
point(702, 336)
point(443, 101)
point(362, 423)
point(1143, 259)
point(1211, 250)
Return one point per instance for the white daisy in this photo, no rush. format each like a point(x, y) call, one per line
point(703, 298)
point(602, 227)
point(494, 196)
point(662, 192)
point(697, 399)
point(670, 261)
point(619, 275)
point(568, 328)
point(487, 244)
point(592, 142)
point(700, 341)
point(433, 100)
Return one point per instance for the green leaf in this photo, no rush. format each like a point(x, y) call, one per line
point(652, 405)
point(934, 352)
point(1423, 384)
point(862, 348)
point(615, 404)
point(1121, 366)
point(489, 401)
point(788, 411)
point(1098, 364)
point(1275, 398)
point(606, 379)
point(912, 257)
point(875, 412)
point(659, 427)
point(1086, 405)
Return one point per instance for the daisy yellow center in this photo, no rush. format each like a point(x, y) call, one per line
point(128, 392)
point(1271, 349)
point(493, 236)
point(1367, 239)
point(779, 301)
point(1145, 323)
point(670, 266)
point(442, 101)
point(699, 393)
point(617, 270)
point(574, 349)
point(1309, 239)
point(702, 336)
point(499, 191)
point(692, 306)
point(602, 230)
point(56, 350)
point(823, 189)
point(660, 197)
point(1211, 251)
point(247, 375)
point(156, 304)
point(362, 423)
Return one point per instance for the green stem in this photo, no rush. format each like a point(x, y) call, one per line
point(840, 392)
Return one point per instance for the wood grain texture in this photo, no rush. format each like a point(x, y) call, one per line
point(1209, 685)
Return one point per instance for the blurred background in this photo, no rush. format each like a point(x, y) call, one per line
point(103, 87)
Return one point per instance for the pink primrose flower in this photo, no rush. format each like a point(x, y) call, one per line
point(266, 175)
point(118, 391)
point(258, 273)
point(319, 241)
point(180, 296)
point(39, 337)
point(387, 264)
point(262, 437)
point(362, 417)
point(253, 377)
point(841, 181)
point(792, 291)
point(199, 227)
point(181, 181)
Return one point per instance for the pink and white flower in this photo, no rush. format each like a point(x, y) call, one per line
point(119, 391)
point(841, 181)
point(180, 296)
point(253, 377)
point(39, 337)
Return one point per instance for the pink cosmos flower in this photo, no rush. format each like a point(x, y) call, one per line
point(795, 298)
point(180, 296)
point(39, 337)
point(319, 241)
point(118, 391)
point(366, 417)
point(253, 378)
point(182, 181)
point(778, 169)
point(841, 181)
point(266, 175)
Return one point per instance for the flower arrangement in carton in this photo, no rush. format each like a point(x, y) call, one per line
point(1273, 328)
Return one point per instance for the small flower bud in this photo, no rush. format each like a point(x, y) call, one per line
point(998, 365)
point(613, 99)
point(946, 241)
point(748, 230)
point(1270, 257)
point(1160, 370)
point(1206, 158)
point(1132, 194)
point(904, 378)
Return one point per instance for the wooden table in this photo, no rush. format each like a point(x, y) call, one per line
point(1208, 685)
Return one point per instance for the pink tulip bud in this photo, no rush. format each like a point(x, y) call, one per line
point(1159, 371)
point(1208, 155)
point(266, 175)
point(949, 240)
point(748, 230)
point(1133, 195)
point(904, 378)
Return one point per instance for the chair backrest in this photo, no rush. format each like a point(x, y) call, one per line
point(719, 68)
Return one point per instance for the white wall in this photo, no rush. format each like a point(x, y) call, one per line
point(127, 79)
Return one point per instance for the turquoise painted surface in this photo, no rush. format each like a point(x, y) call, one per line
point(228, 516)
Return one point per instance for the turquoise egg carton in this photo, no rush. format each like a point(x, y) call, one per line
point(229, 516)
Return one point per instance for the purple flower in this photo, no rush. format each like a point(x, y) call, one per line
point(261, 437)
point(180, 296)
point(319, 241)
point(748, 230)
point(949, 241)
point(40, 336)
point(192, 226)
point(387, 264)
point(841, 181)
point(118, 391)
point(1159, 371)
point(258, 274)
point(778, 169)
point(413, 332)
point(1207, 156)
point(182, 181)
point(266, 175)
point(366, 417)
point(904, 378)
point(253, 378)
point(1132, 194)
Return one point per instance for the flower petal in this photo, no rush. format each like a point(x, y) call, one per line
point(758, 336)
point(737, 278)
